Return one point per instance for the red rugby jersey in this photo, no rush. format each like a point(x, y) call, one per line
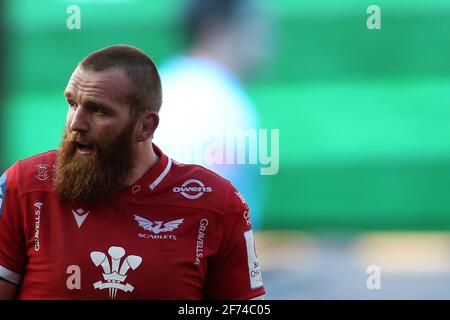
point(181, 232)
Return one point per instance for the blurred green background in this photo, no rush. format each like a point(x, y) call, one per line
point(364, 115)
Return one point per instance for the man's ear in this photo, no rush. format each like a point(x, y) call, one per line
point(146, 125)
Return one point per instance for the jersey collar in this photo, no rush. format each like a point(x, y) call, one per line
point(151, 180)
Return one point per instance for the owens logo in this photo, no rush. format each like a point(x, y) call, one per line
point(192, 189)
point(115, 273)
point(2, 191)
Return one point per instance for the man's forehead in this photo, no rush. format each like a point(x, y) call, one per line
point(111, 83)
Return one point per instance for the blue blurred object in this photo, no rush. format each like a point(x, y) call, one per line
point(205, 108)
point(202, 101)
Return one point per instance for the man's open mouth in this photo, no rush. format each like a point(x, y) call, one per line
point(84, 148)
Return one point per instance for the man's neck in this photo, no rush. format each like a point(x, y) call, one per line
point(146, 159)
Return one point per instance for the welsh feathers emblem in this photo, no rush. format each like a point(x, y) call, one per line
point(115, 269)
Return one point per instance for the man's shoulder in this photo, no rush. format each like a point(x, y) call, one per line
point(41, 165)
point(34, 173)
point(195, 185)
point(182, 171)
point(45, 157)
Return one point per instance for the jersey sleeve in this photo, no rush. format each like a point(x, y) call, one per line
point(12, 235)
point(234, 272)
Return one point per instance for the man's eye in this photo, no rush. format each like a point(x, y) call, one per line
point(97, 111)
point(72, 104)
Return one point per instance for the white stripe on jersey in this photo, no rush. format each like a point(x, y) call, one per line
point(162, 175)
point(10, 276)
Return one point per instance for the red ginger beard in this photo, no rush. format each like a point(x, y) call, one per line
point(98, 176)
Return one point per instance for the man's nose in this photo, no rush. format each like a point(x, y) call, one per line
point(79, 121)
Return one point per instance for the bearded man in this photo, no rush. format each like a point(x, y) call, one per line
point(109, 215)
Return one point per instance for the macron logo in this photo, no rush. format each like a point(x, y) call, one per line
point(80, 216)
